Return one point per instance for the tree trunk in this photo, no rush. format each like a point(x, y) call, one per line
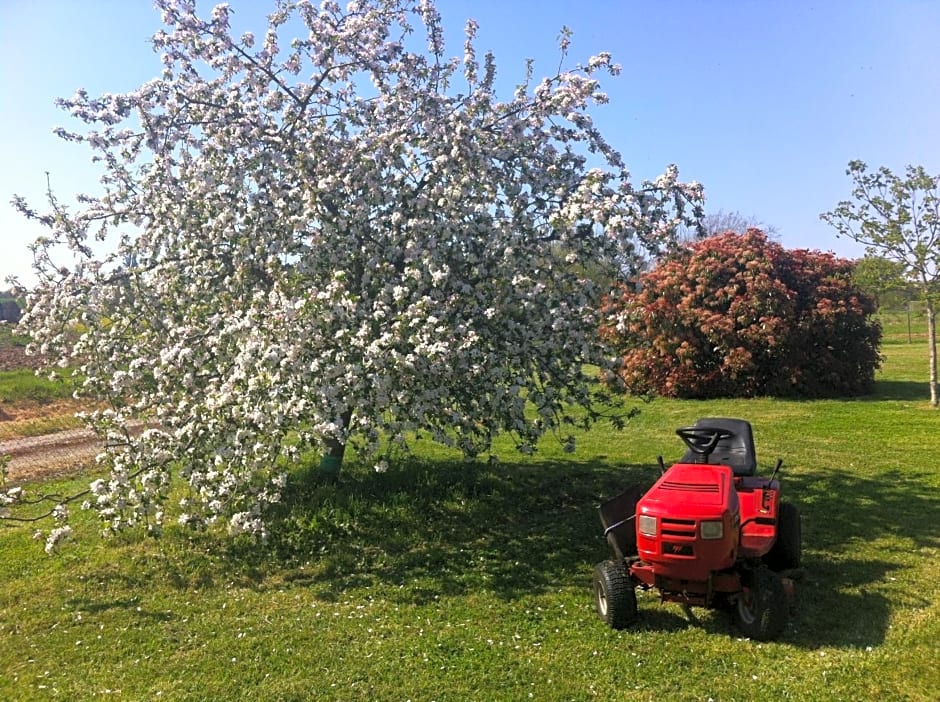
point(910, 337)
point(932, 342)
point(332, 461)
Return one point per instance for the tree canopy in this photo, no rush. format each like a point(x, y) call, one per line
point(885, 279)
point(343, 237)
point(898, 218)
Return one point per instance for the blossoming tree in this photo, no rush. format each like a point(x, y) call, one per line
point(346, 238)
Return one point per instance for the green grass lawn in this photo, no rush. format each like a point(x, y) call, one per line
point(25, 385)
point(441, 580)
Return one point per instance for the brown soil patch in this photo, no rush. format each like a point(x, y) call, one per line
point(14, 357)
point(19, 412)
point(30, 418)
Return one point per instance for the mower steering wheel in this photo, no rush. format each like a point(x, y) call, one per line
point(703, 440)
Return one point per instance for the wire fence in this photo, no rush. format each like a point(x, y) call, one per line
point(49, 454)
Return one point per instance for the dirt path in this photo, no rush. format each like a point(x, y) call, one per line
point(59, 450)
point(49, 455)
point(13, 357)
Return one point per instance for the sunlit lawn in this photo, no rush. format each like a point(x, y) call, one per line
point(440, 580)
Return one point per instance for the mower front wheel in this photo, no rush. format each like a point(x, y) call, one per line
point(762, 610)
point(614, 594)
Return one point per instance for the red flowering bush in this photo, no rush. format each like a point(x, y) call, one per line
point(738, 315)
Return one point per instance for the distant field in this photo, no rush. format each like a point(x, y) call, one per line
point(21, 386)
point(442, 580)
point(30, 404)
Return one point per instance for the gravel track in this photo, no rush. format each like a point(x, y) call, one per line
point(59, 453)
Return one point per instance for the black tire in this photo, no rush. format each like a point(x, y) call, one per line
point(762, 610)
point(787, 551)
point(614, 594)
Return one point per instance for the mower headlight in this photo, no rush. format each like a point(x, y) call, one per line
point(647, 525)
point(712, 530)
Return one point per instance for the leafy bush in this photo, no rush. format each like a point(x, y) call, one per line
point(737, 315)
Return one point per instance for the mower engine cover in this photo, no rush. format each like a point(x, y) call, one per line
point(688, 523)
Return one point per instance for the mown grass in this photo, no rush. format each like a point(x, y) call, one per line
point(441, 580)
point(25, 386)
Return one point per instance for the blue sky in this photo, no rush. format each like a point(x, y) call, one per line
point(762, 102)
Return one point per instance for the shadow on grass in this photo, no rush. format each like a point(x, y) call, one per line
point(841, 507)
point(109, 588)
point(434, 529)
point(898, 390)
point(451, 528)
point(859, 534)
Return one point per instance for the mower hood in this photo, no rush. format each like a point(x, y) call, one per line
point(694, 486)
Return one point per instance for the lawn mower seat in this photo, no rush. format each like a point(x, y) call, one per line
point(736, 451)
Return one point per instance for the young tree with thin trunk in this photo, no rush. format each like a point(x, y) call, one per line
point(898, 218)
point(343, 239)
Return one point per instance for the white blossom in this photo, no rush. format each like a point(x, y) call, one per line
point(57, 537)
point(325, 237)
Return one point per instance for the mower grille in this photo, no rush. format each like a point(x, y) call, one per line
point(689, 487)
point(678, 527)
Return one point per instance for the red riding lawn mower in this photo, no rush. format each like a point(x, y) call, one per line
point(709, 533)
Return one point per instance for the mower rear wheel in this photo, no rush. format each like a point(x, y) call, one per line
point(787, 551)
point(762, 610)
point(614, 594)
